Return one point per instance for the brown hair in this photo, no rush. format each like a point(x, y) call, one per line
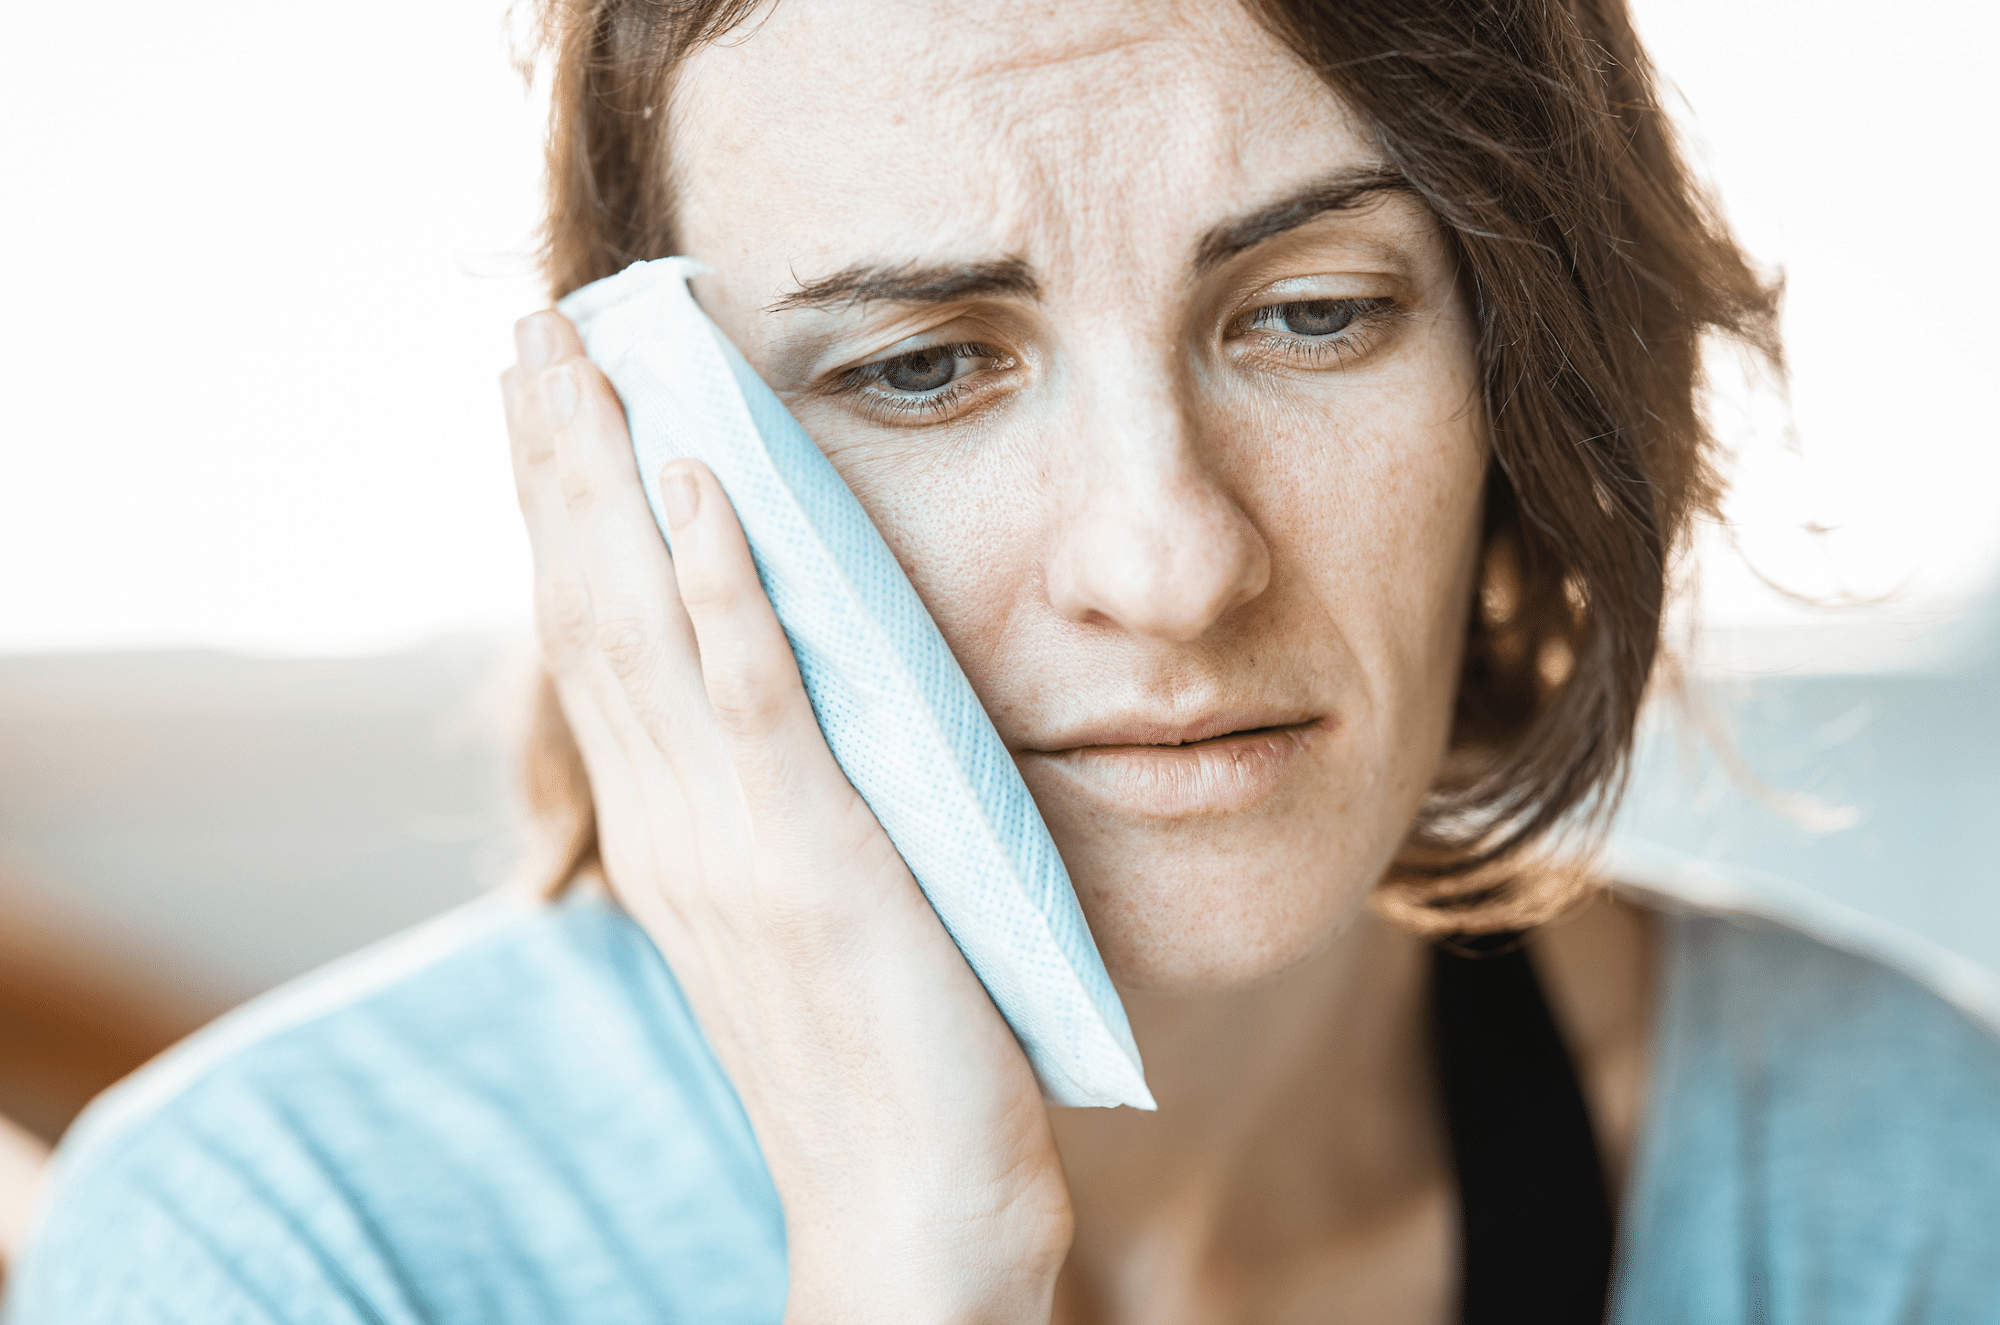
point(1595, 267)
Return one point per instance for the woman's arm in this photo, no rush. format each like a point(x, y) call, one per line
point(901, 1123)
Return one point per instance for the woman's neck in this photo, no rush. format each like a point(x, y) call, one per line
point(1297, 1155)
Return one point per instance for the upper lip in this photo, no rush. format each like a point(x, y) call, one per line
point(1144, 729)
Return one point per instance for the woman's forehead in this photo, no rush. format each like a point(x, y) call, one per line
point(1054, 132)
point(916, 49)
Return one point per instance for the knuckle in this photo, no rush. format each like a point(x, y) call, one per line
point(562, 614)
point(579, 486)
point(532, 453)
point(706, 595)
point(532, 465)
point(743, 705)
point(625, 640)
point(533, 462)
point(534, 443)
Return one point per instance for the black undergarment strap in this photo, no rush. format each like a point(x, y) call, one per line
point(1534, 1221)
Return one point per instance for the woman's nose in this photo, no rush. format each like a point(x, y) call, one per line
point(1155, 542)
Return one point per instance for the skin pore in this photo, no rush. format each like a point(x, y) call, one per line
point(1164, 394)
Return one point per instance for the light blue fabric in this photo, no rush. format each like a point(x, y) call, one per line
point(896, 709)
point(1824, 1145)
point(509, 1116)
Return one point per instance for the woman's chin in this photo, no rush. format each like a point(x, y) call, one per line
point(1181, 930)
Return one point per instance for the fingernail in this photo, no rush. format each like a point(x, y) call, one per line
point(533, 345)
point(559, 394)
point(680, 496)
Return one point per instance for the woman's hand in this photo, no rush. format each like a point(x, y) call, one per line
point(900, 1120)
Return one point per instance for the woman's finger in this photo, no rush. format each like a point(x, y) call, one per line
point(788, 776)
point(637, 625)
point(537, 401)
point(643, 797)
point(540, 396)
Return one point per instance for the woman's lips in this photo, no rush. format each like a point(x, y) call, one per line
point(1221, 773)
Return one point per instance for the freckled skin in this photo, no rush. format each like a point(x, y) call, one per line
point(1146, 516)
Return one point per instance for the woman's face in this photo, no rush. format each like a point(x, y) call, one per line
point(1164, 397)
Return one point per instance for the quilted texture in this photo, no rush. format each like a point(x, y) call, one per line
point(896, 709)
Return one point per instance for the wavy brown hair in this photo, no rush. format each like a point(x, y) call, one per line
point(1596, 268)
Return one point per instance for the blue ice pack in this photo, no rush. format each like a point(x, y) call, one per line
point(896, 709)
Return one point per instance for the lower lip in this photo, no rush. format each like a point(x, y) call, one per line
point(1221, 776)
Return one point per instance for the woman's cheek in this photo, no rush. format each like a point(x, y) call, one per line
point(1378, 515)
point(963, 520)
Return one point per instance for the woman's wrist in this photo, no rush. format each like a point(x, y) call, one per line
point(887, 1300)
point(888, 1288)
point(999, 1270)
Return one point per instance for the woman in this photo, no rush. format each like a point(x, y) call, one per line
point(1288, 413)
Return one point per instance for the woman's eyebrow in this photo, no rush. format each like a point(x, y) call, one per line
point(1334, 193)
point(912, 284)
point(944, 283)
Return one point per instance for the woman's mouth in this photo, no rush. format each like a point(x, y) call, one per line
point(1211, 768)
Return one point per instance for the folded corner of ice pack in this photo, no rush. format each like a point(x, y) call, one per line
point(895, 707)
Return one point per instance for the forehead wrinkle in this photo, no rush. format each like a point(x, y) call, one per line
point(1045, 64)
point(1040, 39)
point(1084, 188)
point(1099, 156)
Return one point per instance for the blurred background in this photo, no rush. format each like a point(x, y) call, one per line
point(262, 585)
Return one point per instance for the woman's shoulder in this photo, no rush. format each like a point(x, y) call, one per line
point(507, 1114)
point(1823, 1140)
point(1800, 1023)
point(1790, 987)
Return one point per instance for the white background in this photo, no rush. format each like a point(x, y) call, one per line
point(261, 263)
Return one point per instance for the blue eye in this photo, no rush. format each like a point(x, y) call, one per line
point(923, 370)
point(1324, 332)
point(930, 383)
point(1314, 317)
point(1317, 317)
point(933, 368)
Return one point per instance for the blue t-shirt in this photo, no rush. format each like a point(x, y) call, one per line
point(509, 1115)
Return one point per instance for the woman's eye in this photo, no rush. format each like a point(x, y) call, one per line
point(1316, 317)
point(1316, 330)
point(925, 370)
point(935, 368)
point(930, 381)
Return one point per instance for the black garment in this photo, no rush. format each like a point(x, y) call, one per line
point(1535, 1224)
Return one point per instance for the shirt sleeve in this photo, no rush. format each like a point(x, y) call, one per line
point(170, 1227)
